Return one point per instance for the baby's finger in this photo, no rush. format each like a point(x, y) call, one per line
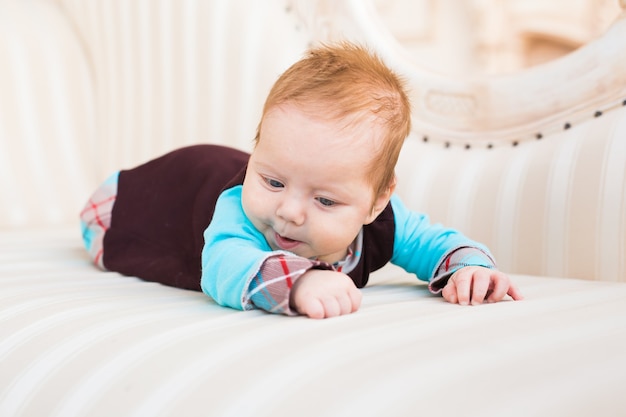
point(514, 292)
point(480, 285)
point(500, 287)
point(449, 292)
point(355, 299)
point(463, 284)
point(313, 308)
point(332, 307)
point(345, 304)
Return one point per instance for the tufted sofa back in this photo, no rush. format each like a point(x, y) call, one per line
point(533, 163)
point(90, 86)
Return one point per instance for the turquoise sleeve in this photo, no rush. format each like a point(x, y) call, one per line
point(419, 246)
point(233, 252)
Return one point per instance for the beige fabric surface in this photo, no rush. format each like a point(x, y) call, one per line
point(75, 341)
point(89, 86)
point(47, 131)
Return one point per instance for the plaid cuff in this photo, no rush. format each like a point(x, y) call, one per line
point(462, 257)
point(270, 289)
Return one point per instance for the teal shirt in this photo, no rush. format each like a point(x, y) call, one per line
point(234, 250)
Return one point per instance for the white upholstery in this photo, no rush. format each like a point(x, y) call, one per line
point(47, 116)
point(519, 161)
point(175, 73)
point(77, 342)
point(89, 86)
point(93, 86)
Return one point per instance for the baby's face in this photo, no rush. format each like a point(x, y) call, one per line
point(306, 188)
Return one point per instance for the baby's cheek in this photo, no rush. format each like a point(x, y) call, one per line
point(253, 206)
point(340, 234)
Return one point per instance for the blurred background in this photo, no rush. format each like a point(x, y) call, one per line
point(493, 36)
point(92, 86)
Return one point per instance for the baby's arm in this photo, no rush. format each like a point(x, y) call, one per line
point(462, 270)
point(322, 294)
point(271, 287)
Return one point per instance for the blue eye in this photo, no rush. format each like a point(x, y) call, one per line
point(274, 184)
point(326, 202)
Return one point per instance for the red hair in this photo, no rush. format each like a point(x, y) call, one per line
point(346, 81)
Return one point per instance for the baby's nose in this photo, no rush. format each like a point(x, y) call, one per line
point(291, 210)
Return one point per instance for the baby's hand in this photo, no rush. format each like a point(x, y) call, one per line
point(475, 285)
point(321, 294)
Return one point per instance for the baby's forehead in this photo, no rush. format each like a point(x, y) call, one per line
point(357, 124)
point(358, 133)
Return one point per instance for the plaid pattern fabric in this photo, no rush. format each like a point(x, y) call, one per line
point(270, 289)
point(95, 218)
point(271, 286)
point(462, 257)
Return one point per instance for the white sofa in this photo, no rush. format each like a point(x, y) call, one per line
point(533, 164)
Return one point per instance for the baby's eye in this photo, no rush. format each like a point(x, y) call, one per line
point(325, 202)
point(274, 183)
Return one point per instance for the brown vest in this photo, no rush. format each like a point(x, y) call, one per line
point(164, 206)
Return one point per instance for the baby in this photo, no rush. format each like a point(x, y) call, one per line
point(297, 226)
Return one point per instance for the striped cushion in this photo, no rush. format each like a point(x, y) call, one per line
point(174, 73)
point(94, 86)
point(76, 341)
point(555, 206)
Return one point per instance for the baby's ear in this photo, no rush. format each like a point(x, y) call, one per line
point(381, 201)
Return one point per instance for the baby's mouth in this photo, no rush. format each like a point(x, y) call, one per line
point(285, 243)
